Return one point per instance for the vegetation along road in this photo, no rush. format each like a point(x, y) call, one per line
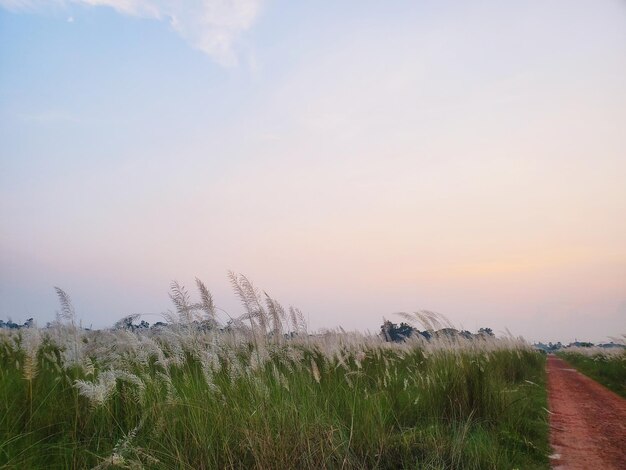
point(587, 421)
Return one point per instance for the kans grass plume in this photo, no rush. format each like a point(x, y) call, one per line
point(258, 389)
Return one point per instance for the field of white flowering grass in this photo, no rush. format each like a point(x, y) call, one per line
point(605, 365)
point(263, 392)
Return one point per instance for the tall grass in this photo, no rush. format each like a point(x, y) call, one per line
point(262, 392)
point(607, 366)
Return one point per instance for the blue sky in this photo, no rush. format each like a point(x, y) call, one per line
point(354, 158)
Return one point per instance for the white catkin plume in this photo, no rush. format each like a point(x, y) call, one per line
point(341, 360)
point(596, 352)
point(140, 386)
point(255, 362)
point(282, 379)
point(293, 320)
point(88, 366)
point(251, 301)
point(118, 457)
point(276, 314)
point(70, 346)
point(172, 395)
point(67, 309)
point(209, 378)
point(31, 340)
point(98, 392)
point(235, 368)
point(206, 303)
point(315, 371)
point(299, 322)
point(73, 352)
point(359, 357)
point(282, 317)
point(180, 297)
point(247, 302)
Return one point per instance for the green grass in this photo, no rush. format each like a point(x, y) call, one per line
point(607, 369)
point(189, 400)
point(195, 395)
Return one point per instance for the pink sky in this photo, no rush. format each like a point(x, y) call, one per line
point(465, 159)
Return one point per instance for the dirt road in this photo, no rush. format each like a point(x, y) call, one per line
point(588, 421)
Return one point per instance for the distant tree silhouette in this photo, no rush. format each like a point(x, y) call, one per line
point(396, 333)
point(11, 325)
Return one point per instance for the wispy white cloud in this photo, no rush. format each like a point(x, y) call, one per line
point(211, 26)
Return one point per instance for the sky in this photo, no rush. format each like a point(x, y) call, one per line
point(354, 159)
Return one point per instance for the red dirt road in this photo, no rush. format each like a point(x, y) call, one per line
point(588, 421)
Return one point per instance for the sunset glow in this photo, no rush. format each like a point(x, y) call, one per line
point(354, 160)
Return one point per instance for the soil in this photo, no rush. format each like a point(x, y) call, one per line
point(587, 421)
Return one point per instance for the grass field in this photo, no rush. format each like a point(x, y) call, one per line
point(607, 366)
point(262, 392)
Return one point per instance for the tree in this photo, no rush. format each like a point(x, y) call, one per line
point(486, 331)
point(396, 333)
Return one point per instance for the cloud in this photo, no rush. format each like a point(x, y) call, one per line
point(211, 26)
